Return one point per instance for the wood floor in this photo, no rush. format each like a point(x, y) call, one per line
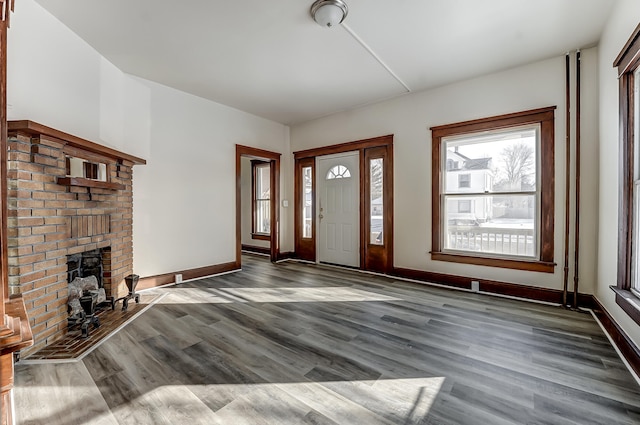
point(304, 344)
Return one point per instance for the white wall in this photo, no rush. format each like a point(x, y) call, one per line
point(409, 118)
point(56, 79)
point(622, 22)
point(184, 198)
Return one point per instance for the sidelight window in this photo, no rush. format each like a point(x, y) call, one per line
point(307, 202)
point(376, 209)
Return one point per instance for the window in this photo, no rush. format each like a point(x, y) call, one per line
point(628, 286)
point(464, 180)
point(496, 207)
point(338, 172)
point(635, 257)
point(307, 202)
point(464, 206)
point(261, 193)
point(376, 170)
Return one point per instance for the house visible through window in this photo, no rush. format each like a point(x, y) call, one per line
point(492, 205)
point(261, 193)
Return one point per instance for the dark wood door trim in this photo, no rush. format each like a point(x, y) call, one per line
point(378, 258)
point(305, 248)
point(358, 145)
point(384, 262)
point(274, 159)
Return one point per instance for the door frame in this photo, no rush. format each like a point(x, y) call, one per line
point(274, 159)
point(372, 257)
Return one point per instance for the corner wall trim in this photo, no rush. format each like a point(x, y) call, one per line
point(168, 278)
point(494, 287)
point(629, 350)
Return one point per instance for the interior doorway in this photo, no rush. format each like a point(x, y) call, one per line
point(338, 200)
point(265, 199)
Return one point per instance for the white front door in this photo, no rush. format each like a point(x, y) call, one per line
point(338, 181)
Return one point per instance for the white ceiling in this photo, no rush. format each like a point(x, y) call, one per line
point(269, 58)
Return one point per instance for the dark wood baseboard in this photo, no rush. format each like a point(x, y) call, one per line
point(629, 350)
point(257, 249)
point(494, 287)
point(287, 255)
point(168, 278)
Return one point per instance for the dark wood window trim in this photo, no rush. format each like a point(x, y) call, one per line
point(545, 118)
point(255, 166)
point(627, 63)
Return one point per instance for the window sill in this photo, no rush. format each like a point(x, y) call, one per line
point(628, 302)
point(533, 266)
point(261, 236)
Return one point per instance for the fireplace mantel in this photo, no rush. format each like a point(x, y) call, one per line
point(33, 129)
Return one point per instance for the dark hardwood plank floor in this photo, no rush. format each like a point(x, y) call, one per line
point(305, 344)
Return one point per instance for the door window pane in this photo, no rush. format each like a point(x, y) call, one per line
point(307, 205)
point(338, 172)
point(376, 206)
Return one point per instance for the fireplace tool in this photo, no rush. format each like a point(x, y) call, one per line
point(132, 282)
point(88, 316)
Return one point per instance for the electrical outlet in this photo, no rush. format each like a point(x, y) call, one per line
point(475, 286)
point(179, 278)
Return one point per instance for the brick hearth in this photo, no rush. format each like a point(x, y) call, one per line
point(52, 216)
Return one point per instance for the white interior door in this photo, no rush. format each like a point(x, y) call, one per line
point(338, 188)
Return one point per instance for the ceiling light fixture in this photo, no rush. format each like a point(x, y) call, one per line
point(329, 13)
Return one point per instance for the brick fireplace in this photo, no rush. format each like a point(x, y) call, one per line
point(54, 212)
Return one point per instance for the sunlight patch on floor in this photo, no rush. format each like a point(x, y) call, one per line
point(297, 295)
point(344, 402)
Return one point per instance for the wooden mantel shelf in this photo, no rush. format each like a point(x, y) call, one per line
point(33, 128)
point(82, 182)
